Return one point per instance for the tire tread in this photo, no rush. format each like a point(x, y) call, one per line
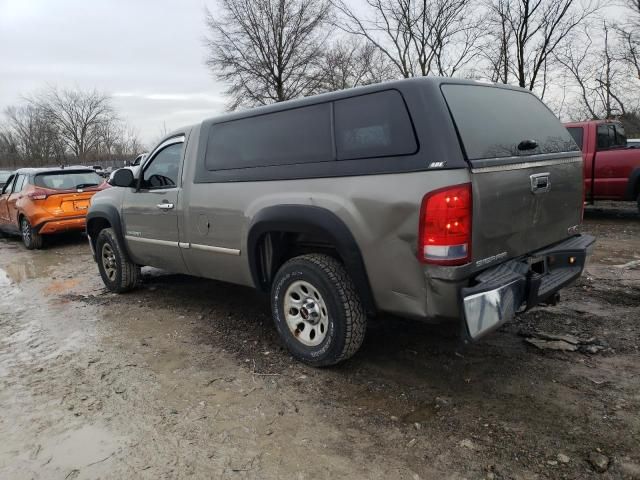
point(355, 315)
point(129, 271)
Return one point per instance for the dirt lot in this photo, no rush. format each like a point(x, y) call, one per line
point(186, 378)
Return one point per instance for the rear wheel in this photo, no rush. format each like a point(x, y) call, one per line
point(118, 273)
point(31, 239)
point(317, 310)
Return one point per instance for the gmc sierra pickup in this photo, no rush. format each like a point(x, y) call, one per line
point(611, 165)
point(434, 199)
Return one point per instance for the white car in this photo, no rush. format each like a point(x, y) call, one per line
point(134, 166)
point(633, 142)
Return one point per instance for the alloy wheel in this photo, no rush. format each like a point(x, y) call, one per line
point(26, 231)
point(306, 313)
point(109, 262)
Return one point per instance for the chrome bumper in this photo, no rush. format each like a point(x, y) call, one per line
point(517, 285)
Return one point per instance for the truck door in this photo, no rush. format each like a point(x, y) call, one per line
point(150, 212)
point(612, 164)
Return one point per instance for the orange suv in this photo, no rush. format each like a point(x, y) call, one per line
point(42, 201)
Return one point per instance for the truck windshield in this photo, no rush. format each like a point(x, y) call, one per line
point(498, 122)
point(68, 180)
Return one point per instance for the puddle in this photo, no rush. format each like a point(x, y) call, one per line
point(89, 451)
point(36, 264)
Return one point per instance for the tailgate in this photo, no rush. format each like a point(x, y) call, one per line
point(520, 208)
point(526, 170)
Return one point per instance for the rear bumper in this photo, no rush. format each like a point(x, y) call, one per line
point(59, 225)
point(499, 293)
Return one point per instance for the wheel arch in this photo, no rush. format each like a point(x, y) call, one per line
point(633, 185)
point(308, 220)
point(106, 216)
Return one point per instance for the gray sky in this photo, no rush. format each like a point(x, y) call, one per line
point(148, 54)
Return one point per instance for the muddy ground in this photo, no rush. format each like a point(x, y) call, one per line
point(186, 378)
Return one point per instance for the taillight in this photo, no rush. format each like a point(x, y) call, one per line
point(445, 226)
point(38, 195)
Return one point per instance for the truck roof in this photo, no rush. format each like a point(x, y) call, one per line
point(588, 122)
point(432, 82)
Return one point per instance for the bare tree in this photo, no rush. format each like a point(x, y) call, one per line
point(498, 43)
point(419, 37)
point(629, 31)
point(117, 141)
point(600, 74)
point(58, 126)
point(352, 64)
point(36, 138)
point(631, 39)
point(79, 117)
point(267, 50)
point(9, 149)
point(529, 33)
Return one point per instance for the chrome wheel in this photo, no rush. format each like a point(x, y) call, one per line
point(109, 262)
point(306, 313)
point(26, 231)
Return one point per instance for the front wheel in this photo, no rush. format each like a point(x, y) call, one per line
point(317, 310)
point(31, 239)
point(118, 273)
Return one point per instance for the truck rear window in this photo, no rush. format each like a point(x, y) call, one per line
point(578, 134)
point(68, 180)
point(493, 121)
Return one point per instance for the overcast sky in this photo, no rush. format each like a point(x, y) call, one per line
point(148, 54)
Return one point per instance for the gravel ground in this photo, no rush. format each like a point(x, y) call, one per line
point(186, 378)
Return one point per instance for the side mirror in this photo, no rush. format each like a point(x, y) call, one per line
point(123, 178)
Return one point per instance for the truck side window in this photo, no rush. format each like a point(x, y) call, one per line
point(621, 138)
point(373, 125)
point(611, 136)
point(299, 135)
point(163, 170)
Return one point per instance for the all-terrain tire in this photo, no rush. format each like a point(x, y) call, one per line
point(346, 317)
point(31, 239)
point(118, 273)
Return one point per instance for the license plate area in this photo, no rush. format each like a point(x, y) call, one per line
point(81, 204)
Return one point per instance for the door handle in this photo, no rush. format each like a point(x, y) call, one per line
point(165, 206)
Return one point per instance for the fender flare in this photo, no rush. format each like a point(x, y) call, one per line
point(309, 219)
point(633, 185)
point(111, 215)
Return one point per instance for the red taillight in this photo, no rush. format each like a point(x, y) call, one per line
point(445, 226)
point(38, 195)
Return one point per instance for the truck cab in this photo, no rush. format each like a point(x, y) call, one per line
point(611, 163)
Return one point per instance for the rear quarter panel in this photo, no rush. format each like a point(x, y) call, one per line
point(381, 211)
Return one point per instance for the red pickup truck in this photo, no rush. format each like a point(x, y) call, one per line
point(611, 166)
